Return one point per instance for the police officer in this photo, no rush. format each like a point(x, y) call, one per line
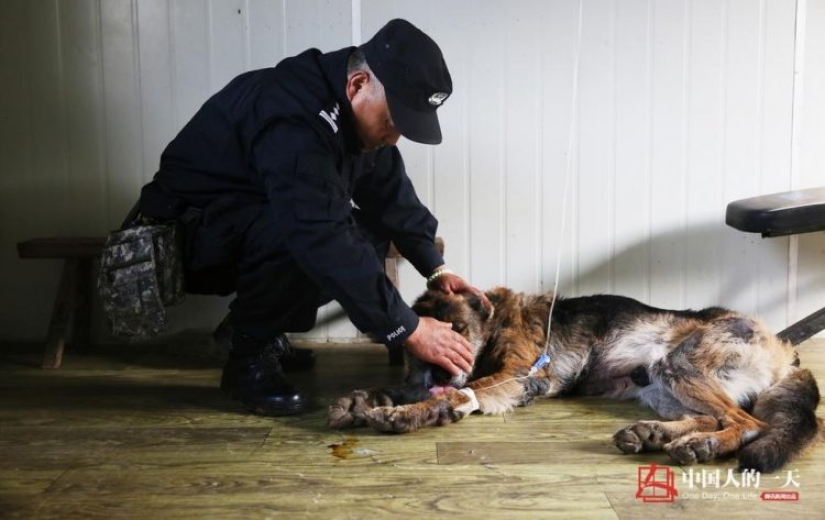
point(289, 188)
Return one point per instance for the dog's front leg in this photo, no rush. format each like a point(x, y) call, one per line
point(438, 410)
point(494, 394)
point(350, 411)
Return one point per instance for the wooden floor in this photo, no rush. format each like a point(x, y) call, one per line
point(145, 433)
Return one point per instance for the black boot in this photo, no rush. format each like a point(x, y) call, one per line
point(295, 359)
point(253, 375)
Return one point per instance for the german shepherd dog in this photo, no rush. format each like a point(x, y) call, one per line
point(724, 384)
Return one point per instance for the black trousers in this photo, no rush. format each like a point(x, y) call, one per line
point(232, 249)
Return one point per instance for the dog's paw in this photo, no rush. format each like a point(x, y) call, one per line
point(639, 437)
point(349, 411)
point(698, 447)
point(391, 419)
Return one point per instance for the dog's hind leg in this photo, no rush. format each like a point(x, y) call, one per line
point(654, 435)
point(719, 426)
point(737, 429)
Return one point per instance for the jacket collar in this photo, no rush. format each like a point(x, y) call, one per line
point(334, 66)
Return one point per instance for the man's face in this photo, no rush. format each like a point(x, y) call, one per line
point(372, 115)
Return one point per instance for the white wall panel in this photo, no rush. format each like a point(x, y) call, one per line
point(20, 182)
point(668, 154)
point(266, 35)
point(83, 92)
point(191, 47)
point(595, 180)
point(156, 73)
point(742, 126)
point(227, 41)
point(808, 285)
point(484, 84)
point(43, 167)
point(123, 136)
point(704, 204)
point(774, 162)
point(630, 224)
point(560, 47)
point(681, 106)
point(522, 132)
point(322, 24)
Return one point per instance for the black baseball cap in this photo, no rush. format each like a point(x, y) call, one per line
point(416, 81)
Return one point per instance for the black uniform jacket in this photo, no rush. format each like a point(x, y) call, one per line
point(285, 136)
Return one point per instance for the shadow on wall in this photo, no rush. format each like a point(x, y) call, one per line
point(698, 266)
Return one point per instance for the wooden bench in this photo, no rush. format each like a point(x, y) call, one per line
point(71, 306)
point(783, 214)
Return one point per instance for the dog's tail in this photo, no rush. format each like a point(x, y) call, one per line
point(789, 408)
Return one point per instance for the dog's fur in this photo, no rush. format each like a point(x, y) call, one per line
point(723, 382)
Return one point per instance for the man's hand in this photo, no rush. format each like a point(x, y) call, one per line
point(451, 283)
point(435, 342)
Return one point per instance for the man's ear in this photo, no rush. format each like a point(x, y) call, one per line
point(355, 82)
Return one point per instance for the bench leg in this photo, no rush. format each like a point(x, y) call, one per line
point(396, 355)
point(82, 326)
point(804, 328)
point(64, 308)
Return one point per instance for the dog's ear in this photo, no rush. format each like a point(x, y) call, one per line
point(434, 304)
point(423, 305)
point(498, 294)
point(485, 312)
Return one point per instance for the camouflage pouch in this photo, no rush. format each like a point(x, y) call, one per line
point(141, 273)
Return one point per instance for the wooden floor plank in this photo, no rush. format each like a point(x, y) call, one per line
point(328, 493)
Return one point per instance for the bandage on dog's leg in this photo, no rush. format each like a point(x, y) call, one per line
point(473, 405)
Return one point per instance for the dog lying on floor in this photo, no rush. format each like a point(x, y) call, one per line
point(724, 384)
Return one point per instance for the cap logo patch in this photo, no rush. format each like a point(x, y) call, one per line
point(437, 98)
